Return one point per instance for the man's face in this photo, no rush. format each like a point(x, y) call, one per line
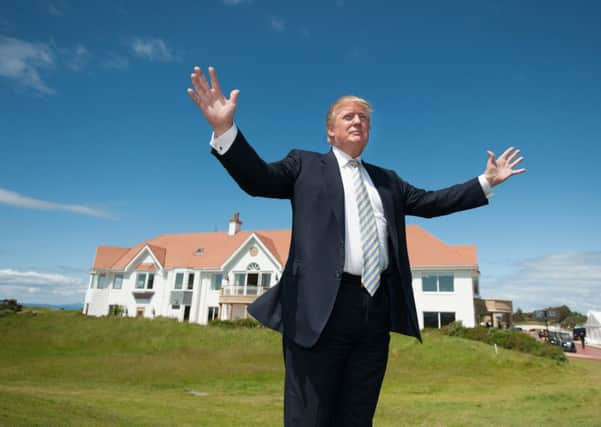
point(349, 130)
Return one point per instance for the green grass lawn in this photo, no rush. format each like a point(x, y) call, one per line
point(61, 368)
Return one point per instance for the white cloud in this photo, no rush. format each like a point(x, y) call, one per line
point(152, 49)
point(573, 279)
point(31, 278)
point(22, 61)
point(12, 198)
point(278, 24)
point(41, 287)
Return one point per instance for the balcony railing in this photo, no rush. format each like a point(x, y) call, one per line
point(242, 290)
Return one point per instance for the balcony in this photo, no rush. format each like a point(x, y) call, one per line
point(240, 294)
point(142, 293)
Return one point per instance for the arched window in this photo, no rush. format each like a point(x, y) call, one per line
point(253, 266)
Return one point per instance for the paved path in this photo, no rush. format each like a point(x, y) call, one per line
point(589, 352)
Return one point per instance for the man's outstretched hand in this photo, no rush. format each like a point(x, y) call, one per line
point(217, 109)
point(500, 169)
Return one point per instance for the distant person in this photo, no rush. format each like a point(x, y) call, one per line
point(347, 281)
point(582, 339)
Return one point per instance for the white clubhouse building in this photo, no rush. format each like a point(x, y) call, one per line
point(198, 277)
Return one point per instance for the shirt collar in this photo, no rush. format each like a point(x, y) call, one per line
point(342, 157)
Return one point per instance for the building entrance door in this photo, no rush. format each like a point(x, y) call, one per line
point(186, 313)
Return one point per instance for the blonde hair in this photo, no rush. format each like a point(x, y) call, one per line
point(331, 114)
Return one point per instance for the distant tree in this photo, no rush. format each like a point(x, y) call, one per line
point(518, 316)
point(563, 312)
point(562, 315)
point(9, 306)
point(573, 320)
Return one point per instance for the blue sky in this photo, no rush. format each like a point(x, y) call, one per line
point(100, 144)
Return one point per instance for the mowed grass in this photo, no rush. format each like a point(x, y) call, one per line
point(64, 369)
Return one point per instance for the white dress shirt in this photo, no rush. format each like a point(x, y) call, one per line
point(353, 253)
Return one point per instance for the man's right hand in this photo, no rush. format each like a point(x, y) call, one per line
point(217, 109)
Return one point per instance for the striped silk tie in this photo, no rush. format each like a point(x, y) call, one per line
point(370, 245)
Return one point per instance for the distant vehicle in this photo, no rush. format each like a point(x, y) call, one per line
point(578, 332)
point(562, 339)
point(552, 337)
point(566, 342)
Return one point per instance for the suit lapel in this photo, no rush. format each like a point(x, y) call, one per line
point(335, 189)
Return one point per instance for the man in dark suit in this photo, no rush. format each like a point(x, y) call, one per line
point(347, 281)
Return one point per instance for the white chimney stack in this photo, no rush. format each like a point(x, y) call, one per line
point(235, 224)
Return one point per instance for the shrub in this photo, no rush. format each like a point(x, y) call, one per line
point(116, 310)
point(506, 338)
point(9, 306)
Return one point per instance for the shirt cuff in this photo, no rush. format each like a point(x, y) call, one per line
point(223, 143)
point(485, 186)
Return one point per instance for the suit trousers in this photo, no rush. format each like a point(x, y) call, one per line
point(337, 382)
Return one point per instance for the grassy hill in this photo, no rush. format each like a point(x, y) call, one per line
point(61, 368)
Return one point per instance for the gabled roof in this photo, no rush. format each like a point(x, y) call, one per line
point(182, 250)
point(277, 242)
point(159, 253)
point(425, 250)
point(107, 256)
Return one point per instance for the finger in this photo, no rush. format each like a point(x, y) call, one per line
point(513, 155)
point(199, 80)
point(517, 162)
point(506, 153)
point(491, 156)
point(518, 171)
point(234, 96)
point(195, 98)
point(199, 92)
point(214, 81)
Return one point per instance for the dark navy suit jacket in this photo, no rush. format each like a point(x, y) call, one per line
point(300, 305)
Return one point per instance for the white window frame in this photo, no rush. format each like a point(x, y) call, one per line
point(438, 317)
point(121, 275)
point(106, 283)
point(193, 275)
point(175, 280)
point(215, 312)
point(214, 279)
point(147, 275)
point(438, 275)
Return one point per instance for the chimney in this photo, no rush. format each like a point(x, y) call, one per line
point(235, 224)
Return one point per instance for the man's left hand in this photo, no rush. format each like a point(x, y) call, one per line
point(500, 169)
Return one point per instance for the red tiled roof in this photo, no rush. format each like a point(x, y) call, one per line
point(180, 250)
point(425, 250)
point(146, 267)
point(127, 257)
point(106, 256)
point(159, 253)
point(277, 242)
